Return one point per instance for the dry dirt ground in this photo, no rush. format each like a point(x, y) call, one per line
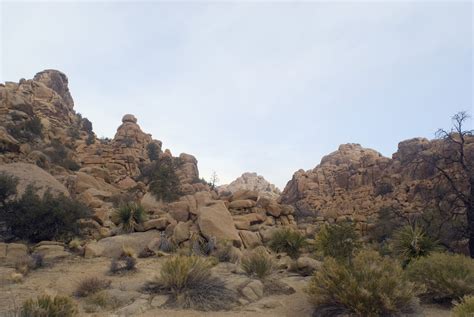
point(63, 277)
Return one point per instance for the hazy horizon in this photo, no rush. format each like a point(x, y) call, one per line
point(252, 87)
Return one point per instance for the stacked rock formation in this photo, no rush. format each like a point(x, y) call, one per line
point(254, 182)
point(354, 183)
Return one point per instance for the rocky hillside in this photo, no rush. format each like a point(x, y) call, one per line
point(40, 132)
point(357, 183)
point(252, 181)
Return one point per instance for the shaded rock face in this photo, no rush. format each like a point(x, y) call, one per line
point(356, 183)
point(58, 82)
point(254, 182)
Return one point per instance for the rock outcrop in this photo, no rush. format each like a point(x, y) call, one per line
point(356, 183)
point(254, 182)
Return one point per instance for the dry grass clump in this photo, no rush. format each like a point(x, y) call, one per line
point(225, 252)
point(190, 284)
point(25, 264)
point(446, 276)
point(100, 301)
point(370, 286)
point(465, 308)
point(288, 241)
point(49, 306)
point(126, 262)
point(91, 285)
point(258, 263)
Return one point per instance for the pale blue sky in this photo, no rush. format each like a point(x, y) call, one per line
point(261, 87)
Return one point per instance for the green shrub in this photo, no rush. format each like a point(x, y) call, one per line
point(163, 181)
point(190, 284)
point(388, 221)
point(129, 216)
point(91, 285)
point(153, 151)
point(465, 308)
point(8, 186)
point(47, 218)
point(49, 306)
point(60, 155)
point(446, 276)
point(370, 286)
point(339, 241)
point(28, 130)
point(258, 263)
point(288, 241)
point(411, 242)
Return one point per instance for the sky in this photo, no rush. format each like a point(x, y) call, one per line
point(266, 87)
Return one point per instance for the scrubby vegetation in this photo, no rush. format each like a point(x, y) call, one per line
point(201, 246)
point(258, 263)
point(411, 242)
point(126, 262)
point(91, 285)
point(37, 218)
point(190, 284)
point(153, 151)
point(129, 217)
point(60, 155)
point(27, 130)
point(339, 241)
point(445, 276)
point(50, 306)
point(370, 286)
point(465, 308)
point(288, 241)
point(28, 263)
point(162, 178)
point(225, 252)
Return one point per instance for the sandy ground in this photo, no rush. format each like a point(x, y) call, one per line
point(63, 277)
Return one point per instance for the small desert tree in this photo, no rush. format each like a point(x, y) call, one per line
point(454, 162)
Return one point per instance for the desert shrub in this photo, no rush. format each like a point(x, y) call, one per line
point(258, 263)
point(225, 252)
point(86, 125)
point(123, 264)
point(74, 133)
point(201, 246)
point(91, 285)
point(163, 180)
point(49, 306)
point(47, 218)
point(27, 130)
point(153, 151)
point(339, 241)
point(129, 216)
point(446, 276)
point(59, 155)
point(27, 263)
point(464, 308)
point(370, 286)
point(288, 241)
point(8, 186)
point(90, 139)
point(388, 221)
point(190, 284)
point(411, 242)
point(101, 300)
point(383, 189)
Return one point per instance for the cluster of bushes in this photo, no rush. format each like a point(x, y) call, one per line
point(162, 178)
point(354, 280)
point(36, 218)
point(45, 305)
point(59, 155)
point(129, 217)
point(28, 130)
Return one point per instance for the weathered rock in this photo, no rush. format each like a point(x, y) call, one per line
point(112, 247)
point(253, 182)
point(307, 265)
point(11, 252)
point(51, 253)
point(29, 174)
point(160, 224)
point(181, 232)
point(242, 204)
point(216, 221)
point(250, 239)
point(179, 210)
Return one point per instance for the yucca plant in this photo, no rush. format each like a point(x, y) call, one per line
point(411, 242)
point(445, 276)
point(288, 241)
point(129, 217)
point(49, 306)
point(258, 263)
point(464, 308)
point(190, 284)
point(368, 286)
